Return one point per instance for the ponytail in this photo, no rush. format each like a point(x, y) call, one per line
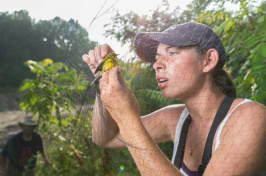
point(223, 82)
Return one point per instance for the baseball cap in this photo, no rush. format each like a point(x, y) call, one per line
point(186, 34)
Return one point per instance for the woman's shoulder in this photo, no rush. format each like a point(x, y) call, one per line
point(245, 107)
point(245, 112)
point(242, 138)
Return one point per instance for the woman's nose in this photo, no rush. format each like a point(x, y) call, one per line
point(159, 64)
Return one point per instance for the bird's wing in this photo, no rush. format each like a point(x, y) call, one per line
point(100, 67)
point(95, 79)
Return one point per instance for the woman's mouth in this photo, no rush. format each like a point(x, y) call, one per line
point(162, 83)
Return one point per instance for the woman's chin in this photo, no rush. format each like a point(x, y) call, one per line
point(169, 96)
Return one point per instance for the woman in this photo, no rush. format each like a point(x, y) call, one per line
point(188, 61)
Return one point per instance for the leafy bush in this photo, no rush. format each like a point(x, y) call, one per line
point(65, 123)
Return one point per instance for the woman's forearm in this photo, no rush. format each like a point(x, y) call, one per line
point(103, 125)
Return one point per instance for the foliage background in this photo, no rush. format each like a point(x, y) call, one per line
point(24, 39)
point(55, 89)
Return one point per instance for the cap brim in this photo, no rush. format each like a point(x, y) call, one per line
point(145, 47)
point(145, 44)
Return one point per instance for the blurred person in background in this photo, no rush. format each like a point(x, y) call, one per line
point(19, 155)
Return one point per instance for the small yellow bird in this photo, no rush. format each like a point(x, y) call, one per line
point(109, 62)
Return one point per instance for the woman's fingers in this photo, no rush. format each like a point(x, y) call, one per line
point(86, 58)
point(117, 96)
point(106, 49)
point(98, 55)
point(115, 76)
point(105, 80)
point(90, 60)
point(112, 82)
point(112, 77)
point(95, 57)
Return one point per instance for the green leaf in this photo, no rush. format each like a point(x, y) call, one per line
point(221, 28)
point(259, 68)
point(261, 19)
point(263, 50)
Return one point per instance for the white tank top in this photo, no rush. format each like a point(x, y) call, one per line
point(182, 119)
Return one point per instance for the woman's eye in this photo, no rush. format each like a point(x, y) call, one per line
point(173, 53)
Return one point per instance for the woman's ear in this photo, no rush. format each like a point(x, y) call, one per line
point(211, 60)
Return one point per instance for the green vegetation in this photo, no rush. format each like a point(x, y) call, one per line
point(51, 90)
point(56, 90)
point(57, 96)
point(23, 39)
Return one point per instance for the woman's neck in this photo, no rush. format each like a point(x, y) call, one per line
point(203, 106)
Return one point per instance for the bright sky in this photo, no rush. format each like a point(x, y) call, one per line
point(84, 11)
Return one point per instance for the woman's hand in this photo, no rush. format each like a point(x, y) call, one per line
point(118, 98)
point(96, 56)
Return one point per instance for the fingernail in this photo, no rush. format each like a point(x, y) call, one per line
point(104, 54)
point(85, 57)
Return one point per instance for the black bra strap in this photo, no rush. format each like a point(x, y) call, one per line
point(222, 111)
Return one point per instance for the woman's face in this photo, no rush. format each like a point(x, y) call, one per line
point(178, 71)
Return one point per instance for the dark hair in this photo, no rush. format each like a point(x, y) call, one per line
point(220, 78)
